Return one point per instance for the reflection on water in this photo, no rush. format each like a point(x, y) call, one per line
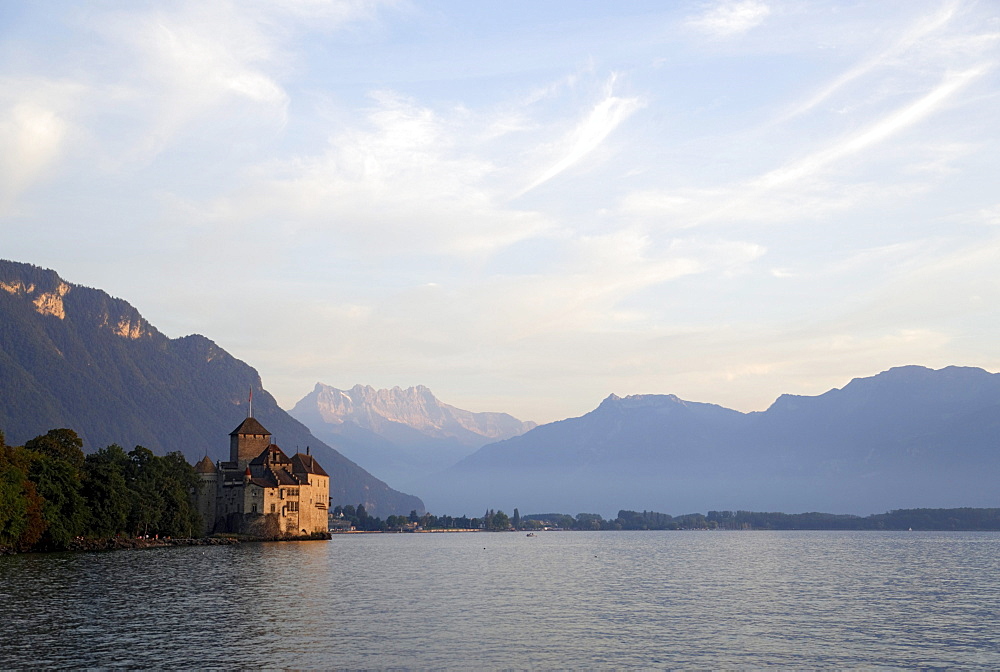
point(558, 600)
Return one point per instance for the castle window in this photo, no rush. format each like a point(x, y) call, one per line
point(293, 506)
point(272, 507)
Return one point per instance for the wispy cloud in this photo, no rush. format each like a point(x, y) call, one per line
point(588, 291)
point(915, 35)
point(589, 133)
point(402, 180)
point(797, 188)
point(727, 19)
point(192, 64)
point(876, 133)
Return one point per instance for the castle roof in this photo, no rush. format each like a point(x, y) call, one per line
point(205, 466)
point(272, 454)
point(307, 464)
point(284, 478)
point(250, 426)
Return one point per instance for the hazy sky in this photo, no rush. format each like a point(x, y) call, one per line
point(525, 206)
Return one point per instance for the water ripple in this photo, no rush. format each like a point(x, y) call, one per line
point(502, 601)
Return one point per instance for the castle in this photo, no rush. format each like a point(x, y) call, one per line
point(262, 491)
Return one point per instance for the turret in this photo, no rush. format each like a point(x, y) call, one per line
point(248, 441)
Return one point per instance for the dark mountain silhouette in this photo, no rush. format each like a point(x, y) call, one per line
point(908, 437)
point(400, 435)
point(71, 356)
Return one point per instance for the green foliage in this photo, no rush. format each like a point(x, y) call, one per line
point(60, 444)
point(498, 522)
point(107, 491)
point(161, 492)
point(180, 483)
point(55, 462)
point(143, 475)
point(21, 523)
point(51, 493)
point(360, 519)
point(588, 521)
point(550, 520)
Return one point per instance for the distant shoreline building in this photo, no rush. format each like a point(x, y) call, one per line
point(262, 491)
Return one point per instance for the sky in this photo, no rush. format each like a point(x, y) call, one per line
point(525, 206)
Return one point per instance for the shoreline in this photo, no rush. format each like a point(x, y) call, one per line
point(89, 545)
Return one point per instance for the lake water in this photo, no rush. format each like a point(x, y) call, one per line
point(558, 600)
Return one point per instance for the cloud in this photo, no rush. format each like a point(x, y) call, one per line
point(589, 289)
point(405, 179)
point(916, 35)
point(800, 188)
point(875, 133)
point(727, 19)
point(35, 127)
point(589, 133)
point(188, 67)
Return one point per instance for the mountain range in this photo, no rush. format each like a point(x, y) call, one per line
point(72, 356)
point(907, 437)
point(400, 435)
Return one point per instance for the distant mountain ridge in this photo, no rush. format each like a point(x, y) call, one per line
point(72, 356)
point(908, 437)
point(400, 434)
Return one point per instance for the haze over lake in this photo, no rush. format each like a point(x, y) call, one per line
point(559, 600)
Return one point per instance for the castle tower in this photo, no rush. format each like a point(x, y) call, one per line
point(208, 492)
point(248, 441)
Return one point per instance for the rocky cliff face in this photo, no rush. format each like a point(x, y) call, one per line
point(72, 356)
point(398, 434)
point(415, 407)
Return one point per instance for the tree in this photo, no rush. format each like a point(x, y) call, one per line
point(178, 484)
point(143, 475)
point(63, 506)
point(588, 521)
point(517, 519)
point(56, 459)
point(106, 491)
point(500, 521)
point(61, 444)
point(21, 520)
